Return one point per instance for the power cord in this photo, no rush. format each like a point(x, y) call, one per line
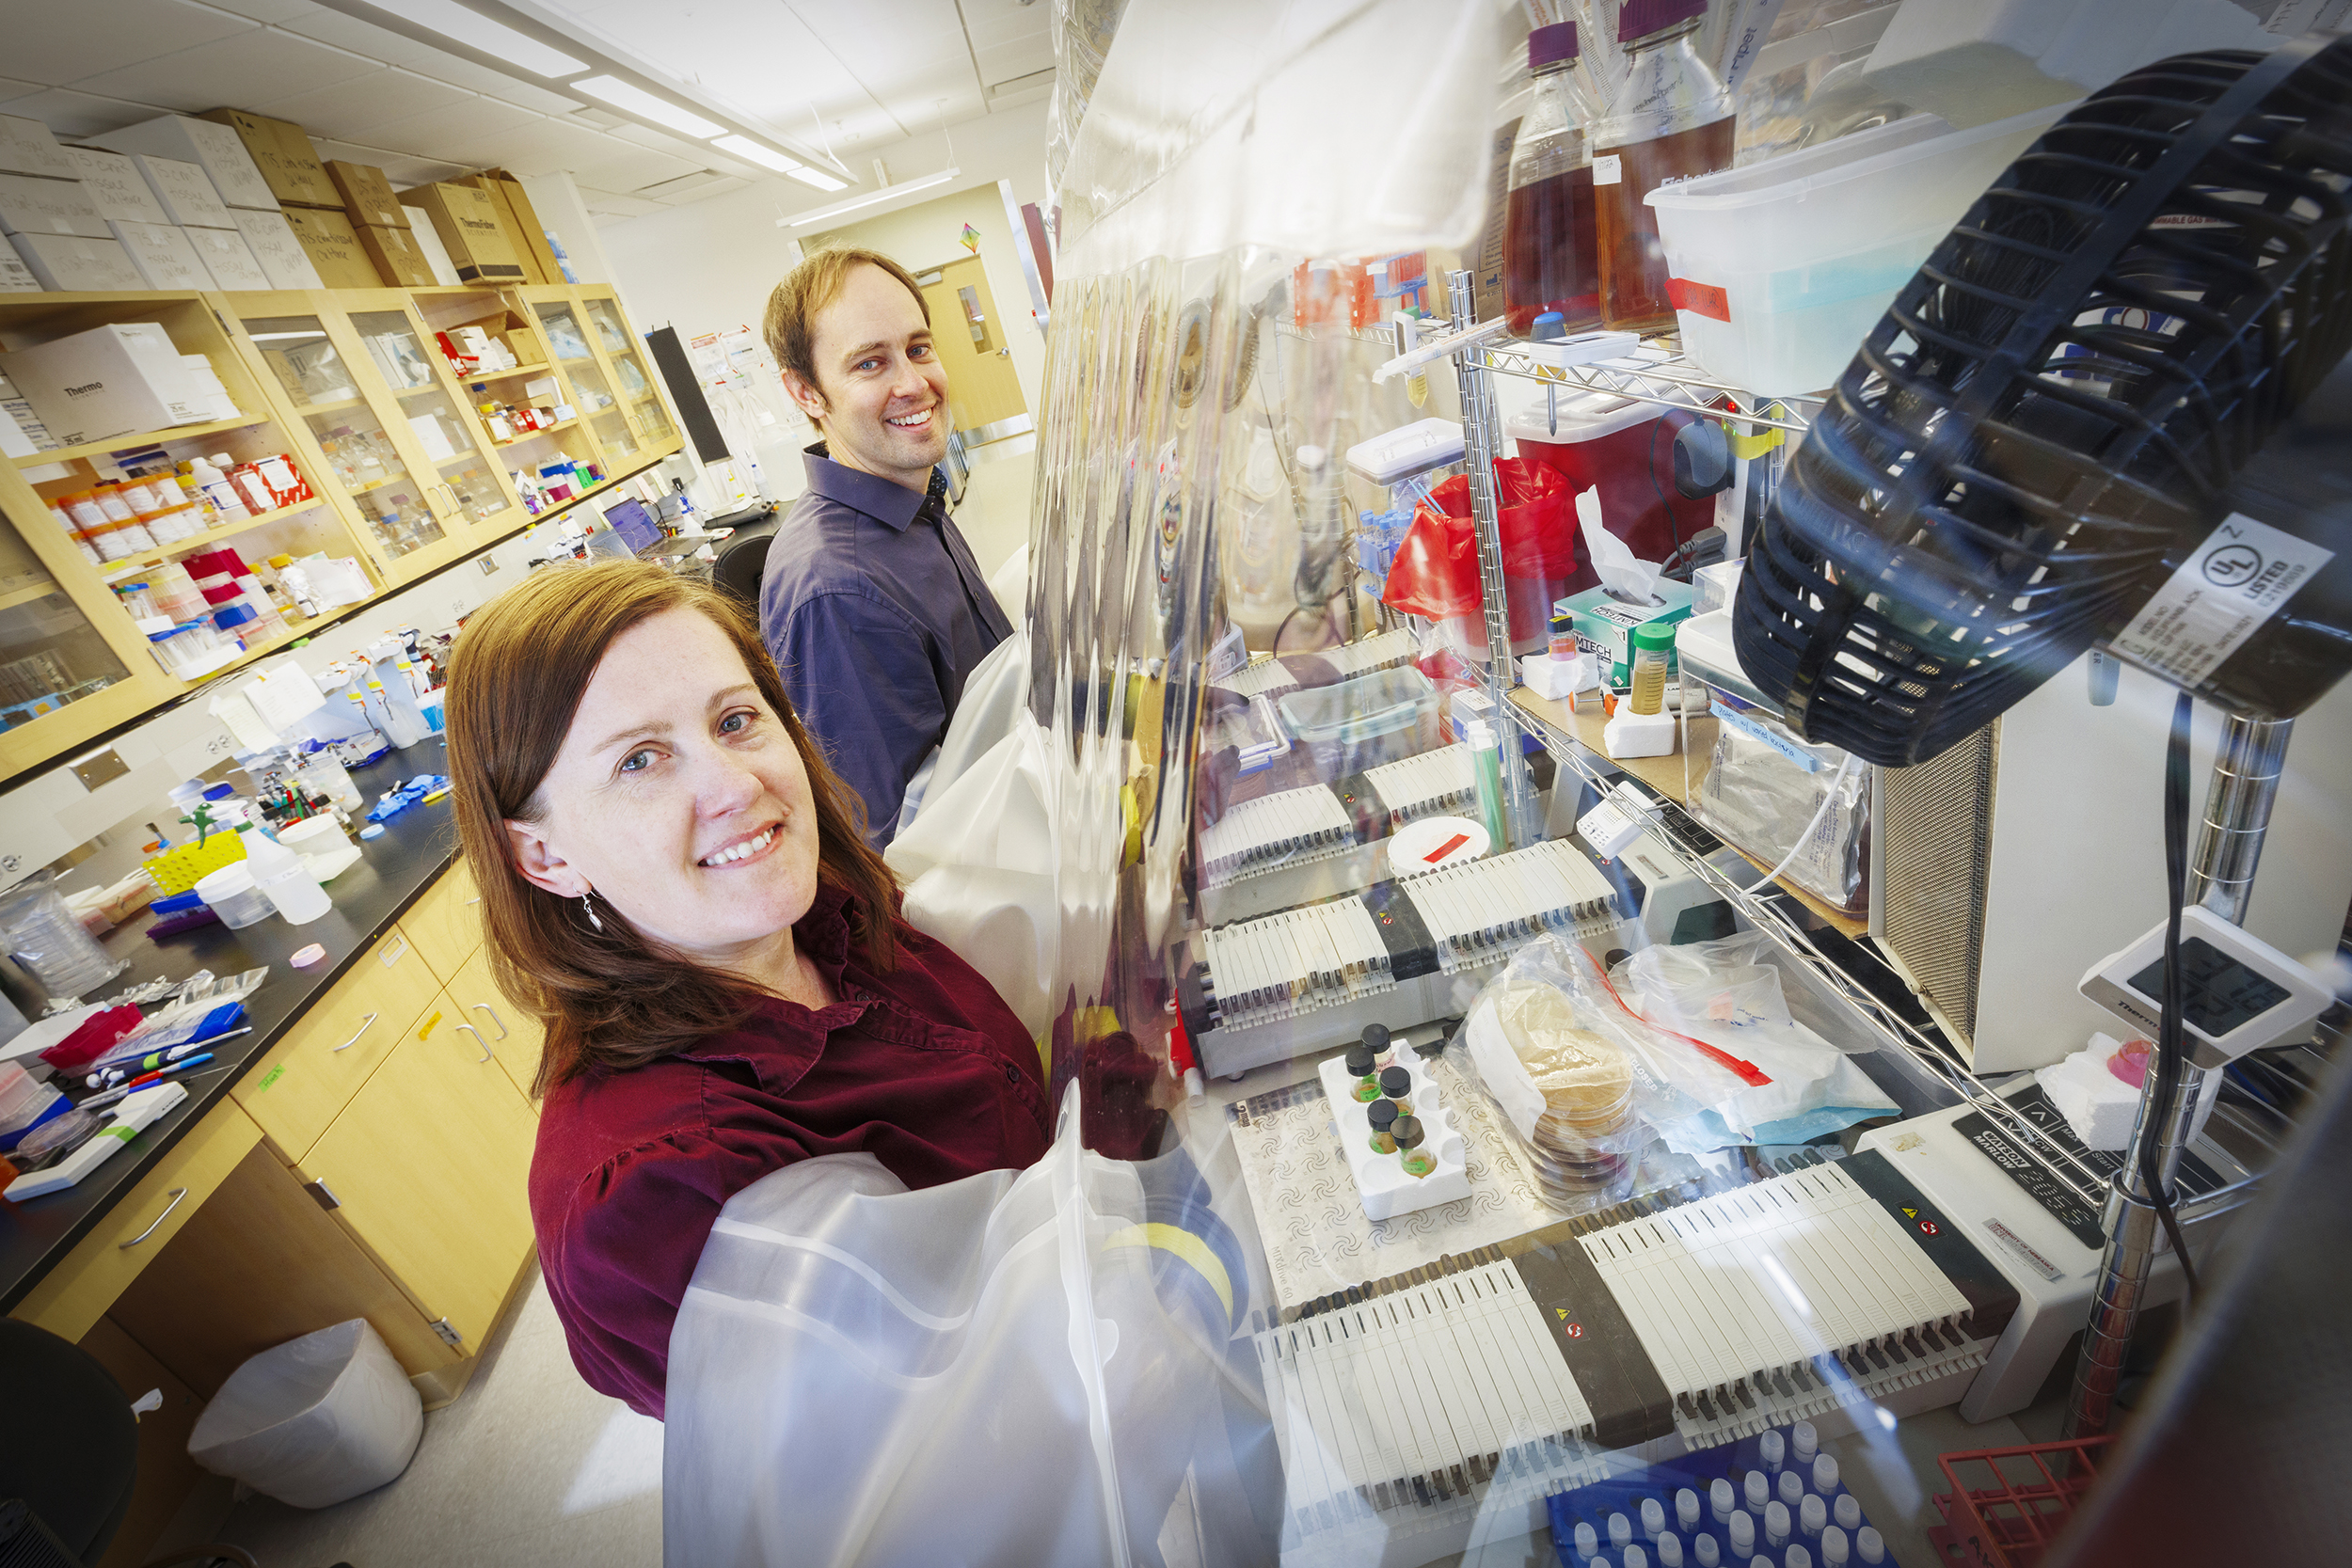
point(2169, 1048)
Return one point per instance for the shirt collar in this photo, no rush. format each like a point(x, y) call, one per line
point(885, 500)
point(793, 1036)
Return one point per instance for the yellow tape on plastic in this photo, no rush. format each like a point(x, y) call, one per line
point(1182, 1244)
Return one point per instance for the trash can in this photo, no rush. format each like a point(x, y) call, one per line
point(315, 1421)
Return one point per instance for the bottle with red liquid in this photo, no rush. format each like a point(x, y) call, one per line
point(1670, 121)
point(1551, 256)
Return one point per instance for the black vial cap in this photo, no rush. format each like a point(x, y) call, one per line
point(1406, 1131)
point(1376, 1036)
point(1359, 1061)
point(1395, 1082)
point(1382, 1112)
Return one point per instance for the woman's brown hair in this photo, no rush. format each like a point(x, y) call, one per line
point(610, 998)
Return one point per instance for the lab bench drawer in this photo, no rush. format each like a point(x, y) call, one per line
point(306, 1079)
point(75, 1294)
point(513, 1034)
point(445, 922)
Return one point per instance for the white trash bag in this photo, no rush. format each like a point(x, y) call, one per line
point(314, 1421)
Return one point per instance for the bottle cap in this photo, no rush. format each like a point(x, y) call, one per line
point(1359, 1061)
point(1670, 1551)
point(1587, 1542)
point(1395, 1082)
point(1383, 1114)
point(1376, 1037)
point(1812, 1514)
point(1868, 1546)
point(1773, 1448)
point(1760, 1491)
point(1847, 1512)
point(1638, 19)
point(1551, 46)
point(1620, 1529)
point(1803, 1442)
point(1791, 1487)
point(1653, 1518)
point(1718, 1496)
point(1550, 326)
point(1825, 1472)
point(1406, 1131)
point(1742, 1531)
point(1635, 1557)
point(1776, 1521)
point(1686, 1508)
point(1704, 1551)
point(1657, 637)
point(1800, 1558)
point(1834, 1547)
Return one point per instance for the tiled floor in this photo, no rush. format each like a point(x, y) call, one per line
point(994, 516)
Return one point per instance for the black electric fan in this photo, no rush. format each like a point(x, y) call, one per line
point(2093, 372)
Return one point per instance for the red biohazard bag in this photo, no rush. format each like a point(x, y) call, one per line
point(1436, 572)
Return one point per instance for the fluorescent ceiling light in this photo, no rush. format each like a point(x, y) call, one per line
point(817, 178)
point(454, 20)
point(743, 147)
point(904, 187)
point(639, 101)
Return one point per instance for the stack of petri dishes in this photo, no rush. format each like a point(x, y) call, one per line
point(1579, 1149)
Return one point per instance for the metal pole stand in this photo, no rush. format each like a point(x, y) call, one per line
point(2245, 782)
point(1482, 441)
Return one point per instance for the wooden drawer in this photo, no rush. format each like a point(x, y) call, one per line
point(445, 922)
point(310, 1076)
point(75, 1294)
point(512, 1033)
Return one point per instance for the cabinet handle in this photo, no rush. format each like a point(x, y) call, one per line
point(365, 1026)
point(177, 1195)
point(485, 1008)
point(475, 899)
point(486, 1051)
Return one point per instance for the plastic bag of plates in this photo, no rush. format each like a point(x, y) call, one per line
point(1582, 1082)
point(1724, 996)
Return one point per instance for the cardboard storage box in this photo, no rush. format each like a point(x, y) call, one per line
point(112, 380)
point(27, 148)
point(281, 257)
point(116, 187)
point(70, 265)
point(163, 255)
point(467, 222)
point(15, 276)
point(228, 259)
point(399, 261)
point(533, 232)
point(368, 197)
point(184, 192)
point(328, 239)
point(31, 205)
point(282, 152)
point(509, 225)
point(215, 149)
point(429, 244)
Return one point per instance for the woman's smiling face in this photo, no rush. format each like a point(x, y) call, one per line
point(678, 797)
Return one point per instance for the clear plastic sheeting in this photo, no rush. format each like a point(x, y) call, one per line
point(314, 1421)
point(1015, 1369)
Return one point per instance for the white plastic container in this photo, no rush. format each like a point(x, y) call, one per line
point(314, 1421)
point(229, 893)
point(285, 878)
point(1783, 268)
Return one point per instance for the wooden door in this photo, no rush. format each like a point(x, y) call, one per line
point(428, 1166)
point(982, 389)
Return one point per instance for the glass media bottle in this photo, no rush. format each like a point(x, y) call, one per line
point(1550, 256)
point(1670, 121)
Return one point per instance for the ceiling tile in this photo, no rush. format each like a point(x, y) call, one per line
point(70, 114)
point(455, 134)
point(352, 108)
point(998, 22)
point(704, 193)
point(552, 144)
point(58, 43)
point(365, 37)
point(633, 167)
point(613, 202)
point(1005, 61)
point(9, 88)
point(533, 97)
point(660, 141)
point(277, 11)
point(402, 168)
point(247, 69)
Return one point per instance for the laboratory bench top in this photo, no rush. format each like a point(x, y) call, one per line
point(392, 872)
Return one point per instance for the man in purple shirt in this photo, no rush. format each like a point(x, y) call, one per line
point(870, 599)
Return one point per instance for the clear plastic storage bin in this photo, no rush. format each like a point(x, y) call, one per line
point(231, 893)
point(1353, 725)
point(1781, 268)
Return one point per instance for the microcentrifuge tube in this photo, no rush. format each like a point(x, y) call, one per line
point(1686, 1509)
point(1760, 1491)
point(1636, 1558)
point(1620, 1530)
point(1653, 1519)
point(1792, 1486)
point(1847, 1512)
point(1803, 1442)
point(1776, 1523)
point(1773, 1450)
point(1586, 1542)
point(1670, 1551)
point(1704, 1550)
point(1800, 1558)
point(1834, 1547)
point(1812, 1514)
point(1868, 1546)
point(1825, 1474)
point(1719, 1499)
point(1742, 1530)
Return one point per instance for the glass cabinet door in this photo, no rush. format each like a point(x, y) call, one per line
point(450, 442)
point(361, 453)
point(592, 397)
point(632, 369)
point(50, 653)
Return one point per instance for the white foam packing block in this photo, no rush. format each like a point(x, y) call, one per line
point(32, 205)
point(429, 246)
point(228, 259)
point(70, 265)
point(276, 250)
point(113, 184)
point(163, 255)
point(184, 191)
point(26, 147)
point(215, 148)
point(1383, 1186)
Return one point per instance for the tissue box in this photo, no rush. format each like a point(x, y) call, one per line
point(1604, 624)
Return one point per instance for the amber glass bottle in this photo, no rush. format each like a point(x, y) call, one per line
point(1671, 119)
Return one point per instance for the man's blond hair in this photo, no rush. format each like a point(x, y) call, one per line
point(790, 326)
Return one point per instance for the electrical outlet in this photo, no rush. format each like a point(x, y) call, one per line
point(220, 745)
point(489, 566)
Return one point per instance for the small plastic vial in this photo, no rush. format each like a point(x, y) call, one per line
point(1760, 1491)
point(1620, 1531)
point(1825, 1474)
point(1382, 1113)
point(1705, 1552)
point(1588, 1542)
point(1847, 1512)
point(1803, 1442)
point(1812, 1514)
point(1799, 1557)
point(1653, 1519)
point(1771, 1448)
point(1670, 1551)
point(1718, 1500)
point(1742, 1528)
point(1792, 1487)
point(1834, 1547)
point(1686, 1511)
point(1868, 1546)
point(1776, 1523)
point(1636, 1558)
point(1653, 650)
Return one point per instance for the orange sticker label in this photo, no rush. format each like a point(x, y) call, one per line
point(1700, 299)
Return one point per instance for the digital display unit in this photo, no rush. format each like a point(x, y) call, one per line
point(634, 524)
point(2217, 993)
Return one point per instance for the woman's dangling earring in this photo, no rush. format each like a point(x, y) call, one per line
point(588, 904)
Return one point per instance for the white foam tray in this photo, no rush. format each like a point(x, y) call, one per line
point(1382, 1183)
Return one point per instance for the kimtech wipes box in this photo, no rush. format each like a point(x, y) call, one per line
point(468, 222)
point(109, 381)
